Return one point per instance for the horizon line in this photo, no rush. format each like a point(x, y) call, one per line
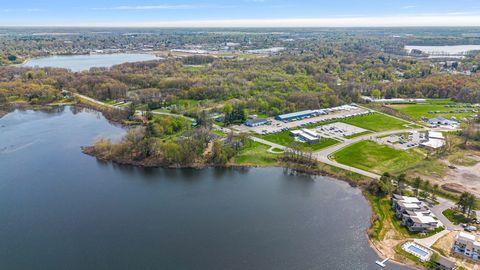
point(345, 22)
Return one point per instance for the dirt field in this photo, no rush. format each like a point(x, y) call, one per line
point(462, 178)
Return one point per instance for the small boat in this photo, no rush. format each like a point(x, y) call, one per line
point(382, 263)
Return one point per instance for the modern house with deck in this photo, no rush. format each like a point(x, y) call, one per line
point(414, 214)
point(467, 245)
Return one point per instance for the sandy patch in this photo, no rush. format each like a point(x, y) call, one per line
point(459, 178)
point(462, 179)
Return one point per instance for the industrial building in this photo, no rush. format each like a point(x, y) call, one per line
point(442, 121)
point(305, 135)
point(296, 115)
point(434, 140)
point(257, 122)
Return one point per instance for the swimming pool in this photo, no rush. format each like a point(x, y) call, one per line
point(418, 251)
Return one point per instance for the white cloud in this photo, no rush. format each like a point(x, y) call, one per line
point(147, 7)
point(22, 10)
point(409, 7)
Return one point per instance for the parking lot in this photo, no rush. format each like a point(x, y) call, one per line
point(339, 130)
point(403, 141)
point(279, 126)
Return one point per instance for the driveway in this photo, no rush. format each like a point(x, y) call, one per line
point(438, 209)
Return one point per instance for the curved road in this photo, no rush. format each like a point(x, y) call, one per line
point(322, 155)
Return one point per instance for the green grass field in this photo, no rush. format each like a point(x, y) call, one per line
point(376, 158)
point(455, 217)
point(256, 154)
point(284, 138)
point(376, 122)
point(373, 122)
point(418, 111)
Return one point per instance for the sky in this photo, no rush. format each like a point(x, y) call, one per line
point(239, 13)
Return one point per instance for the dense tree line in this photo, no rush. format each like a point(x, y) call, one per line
point(139, 147)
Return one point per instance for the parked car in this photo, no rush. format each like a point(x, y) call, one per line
point(471, 229)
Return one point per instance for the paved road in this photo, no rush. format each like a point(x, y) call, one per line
point(322, 155)
point(271, 144)
point(438, 209)
point(322, 159)
point(95, 101)
point(138, 112)
point(332, 149)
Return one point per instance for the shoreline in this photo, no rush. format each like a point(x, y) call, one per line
point(28, 59)
point(376, 248)
point(88, 150)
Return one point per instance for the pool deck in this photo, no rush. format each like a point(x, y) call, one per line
point(419, 248)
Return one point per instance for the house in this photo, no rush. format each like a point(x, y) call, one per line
point(467, 245)
point(257, 122)
point(442, 121)
point(418, 222)
point(66, 94)
point(216, 116)
point(443, 263)
point(414, 214)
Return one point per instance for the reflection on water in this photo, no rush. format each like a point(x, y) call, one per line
point(86, 62)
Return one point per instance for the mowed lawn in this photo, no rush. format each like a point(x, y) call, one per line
point(256, 154)
point(418, 111)
point(376, 158)
point(376, 122)
point(284, 138)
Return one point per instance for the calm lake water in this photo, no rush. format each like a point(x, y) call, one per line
point(455, 50)
point(85, 62)
point(60, 209)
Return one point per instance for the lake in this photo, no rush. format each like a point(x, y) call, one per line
point(61, 209)
point(444, 50)
point(85, 62)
